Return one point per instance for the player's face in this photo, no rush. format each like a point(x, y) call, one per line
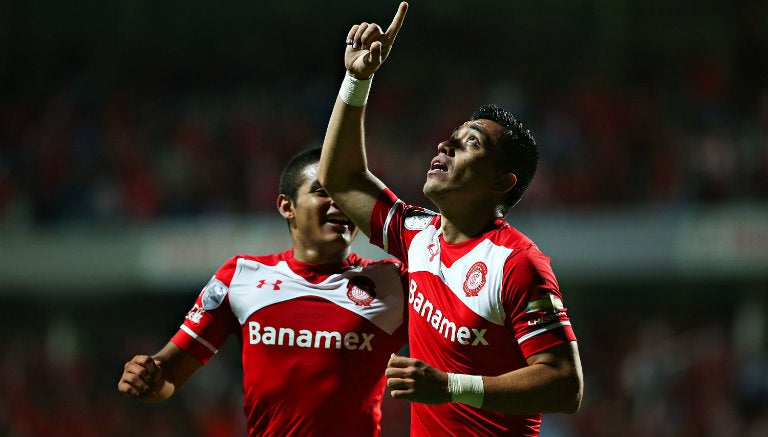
point(317, 222)
point(464, 166)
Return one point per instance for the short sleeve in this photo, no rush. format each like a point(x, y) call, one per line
point(536, 312)
point(210, 321)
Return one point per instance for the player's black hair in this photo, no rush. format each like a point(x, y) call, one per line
point(293, 174)
point(516, 149)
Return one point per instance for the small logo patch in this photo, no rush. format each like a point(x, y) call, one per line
point(547, 304)
point(434, 250)
point(475, 279)
point(213, 294)
point(275, 285)
point(361, 290)
point(195, 314)
point(418, 220)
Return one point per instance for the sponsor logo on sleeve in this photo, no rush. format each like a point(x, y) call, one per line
point(195, 314)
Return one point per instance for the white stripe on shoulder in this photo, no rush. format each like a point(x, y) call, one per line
point(385, 230)
point(542, 330)
point(199, 339)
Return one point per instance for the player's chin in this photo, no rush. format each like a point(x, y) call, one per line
point(339, 242)
point(434, 182)
point(433, 190)
point(342, 229)
point(349, 235)
point(342, 234)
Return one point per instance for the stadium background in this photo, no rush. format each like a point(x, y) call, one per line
point(140, 145)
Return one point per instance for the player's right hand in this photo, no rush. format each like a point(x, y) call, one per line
point(142, 378)
point(416, 381)
point(368, 47)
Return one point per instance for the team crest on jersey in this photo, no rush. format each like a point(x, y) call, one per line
point(475, 279)
point(213, 294)
point(361, 290)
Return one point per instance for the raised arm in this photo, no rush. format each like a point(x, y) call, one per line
point(343, 170)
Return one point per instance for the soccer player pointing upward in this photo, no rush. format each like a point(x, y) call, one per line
point(491, 344)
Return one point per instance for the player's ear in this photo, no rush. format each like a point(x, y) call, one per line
point(505, 182)
point(285, 207)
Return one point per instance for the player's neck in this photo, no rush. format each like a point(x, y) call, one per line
point(466, 219)
point(457, 229)
point(314, 255)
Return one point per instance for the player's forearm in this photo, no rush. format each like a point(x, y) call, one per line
point(543, 387)
point(532, 390)
point(343, 158)
point(177, 367)
point(343, 170)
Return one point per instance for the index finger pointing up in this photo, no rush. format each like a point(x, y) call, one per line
point(397, 22)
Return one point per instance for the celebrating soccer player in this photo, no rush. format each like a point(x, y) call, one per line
point(491, 343)
point(316, 323)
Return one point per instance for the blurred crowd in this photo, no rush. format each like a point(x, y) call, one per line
point(202, 127)
point(701, 374)
point(137, 156)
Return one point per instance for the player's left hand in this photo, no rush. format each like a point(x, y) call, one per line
point(416, 381)
point(368, 46)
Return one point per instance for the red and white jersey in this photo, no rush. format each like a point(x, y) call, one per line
point(479, 307)
point(315, 339)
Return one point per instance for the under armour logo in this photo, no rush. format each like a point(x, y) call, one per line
point(275, 285)
point(433, 251)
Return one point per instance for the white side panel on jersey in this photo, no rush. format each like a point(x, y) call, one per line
point(487, 303)
point(255, 286)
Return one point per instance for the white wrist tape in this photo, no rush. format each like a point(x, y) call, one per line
point(354, 92)
point(467, 389)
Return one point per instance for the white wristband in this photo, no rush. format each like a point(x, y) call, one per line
point(467, 389)
point(354, 92)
